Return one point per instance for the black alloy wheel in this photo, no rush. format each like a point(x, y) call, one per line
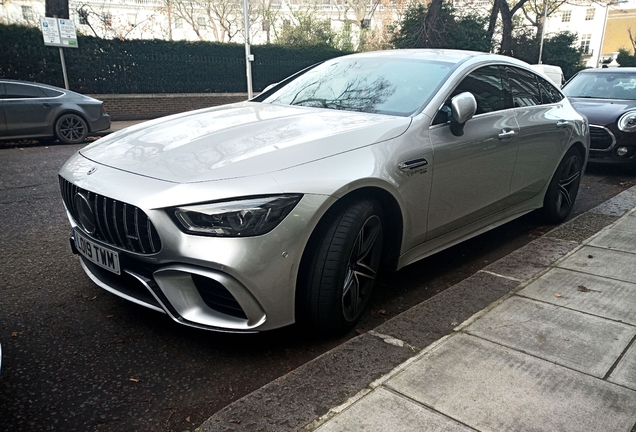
point(341, 268)
point(71, 129)
point(564, 187)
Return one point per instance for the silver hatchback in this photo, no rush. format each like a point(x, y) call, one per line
point(282, 209)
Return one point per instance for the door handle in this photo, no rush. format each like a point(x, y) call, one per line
point(562, 123)
point(505, 135)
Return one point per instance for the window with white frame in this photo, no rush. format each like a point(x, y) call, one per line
point(107, 18)
point(585, 44)
point(178, 23)
point(201, 22)
point(27, 13)
point(589, 14)
point(566, 16)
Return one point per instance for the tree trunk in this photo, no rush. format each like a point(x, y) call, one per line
point(492, 23)
point(431, 21)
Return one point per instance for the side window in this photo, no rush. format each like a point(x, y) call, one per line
point(2, 93)
point(487, 87)
point(549, 93)
point(523, 87)
point(51, 92)
point(21, 91)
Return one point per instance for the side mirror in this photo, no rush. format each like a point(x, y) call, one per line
point(463, 108)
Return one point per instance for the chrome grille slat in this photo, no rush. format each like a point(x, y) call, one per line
point(601, 138)
point(111, 223)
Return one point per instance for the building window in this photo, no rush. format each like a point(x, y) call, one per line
point(589, 14)
point(178, 23)
point(27, 13)
point(365, 23)
point(265, 26)
point(132, 18)
point(201, 22)
point(566, 15)
point(585, 44)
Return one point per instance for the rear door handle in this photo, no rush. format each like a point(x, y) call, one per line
point(563, 123)
point(505, 135)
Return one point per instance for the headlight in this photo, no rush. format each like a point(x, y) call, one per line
point(243, 218)
point(627, 122)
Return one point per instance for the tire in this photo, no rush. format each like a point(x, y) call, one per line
point(71, 129)
point(342, 267)
point(561, 194)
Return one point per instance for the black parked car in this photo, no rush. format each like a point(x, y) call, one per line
point(608, 98)
point(32, 110)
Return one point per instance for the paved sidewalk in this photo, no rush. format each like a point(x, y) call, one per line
point(557, 354)
point(543, 339)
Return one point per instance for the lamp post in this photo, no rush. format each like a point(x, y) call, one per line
point(249, 58)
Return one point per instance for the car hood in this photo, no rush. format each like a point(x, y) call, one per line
point(239, 140)
point(602, 111)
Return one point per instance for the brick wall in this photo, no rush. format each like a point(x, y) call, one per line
point(149, 106)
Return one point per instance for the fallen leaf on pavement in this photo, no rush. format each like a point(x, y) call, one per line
point(557, 295)
point(590, 256)
point(361, 331)
point(136, 380)
point(235, 421)
point(15, 334)
point(584, 289)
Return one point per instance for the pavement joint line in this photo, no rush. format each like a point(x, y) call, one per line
point(548, 361)
point(374, 384)
point(500, 275)
point(577, 310)
point(393, 341)
point(427, 407)
point(618, 360)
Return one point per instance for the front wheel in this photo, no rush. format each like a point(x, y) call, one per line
point(342, 268)
point(71, 129)
point(560, 196)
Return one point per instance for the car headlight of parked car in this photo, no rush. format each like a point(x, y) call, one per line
point(627, 122)
point(241, 218)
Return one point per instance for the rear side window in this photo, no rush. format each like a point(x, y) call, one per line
point(523, 87)
point(51, 92)
point(22, 91)
point(2, 93)
point(486, 85)
point(549, 93)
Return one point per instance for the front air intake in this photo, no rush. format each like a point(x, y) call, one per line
point(217, 297)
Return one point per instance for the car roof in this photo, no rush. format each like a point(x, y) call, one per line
point(610, 70)
point(448, 55)
point(3, 80)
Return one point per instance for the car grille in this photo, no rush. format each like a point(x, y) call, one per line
point(116, 223)
point(601, 138)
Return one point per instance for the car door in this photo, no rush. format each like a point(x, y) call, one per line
point(27, 110)
point(472, 172)
point(544, 133)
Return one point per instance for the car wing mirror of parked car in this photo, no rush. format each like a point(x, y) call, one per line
point(463, 108)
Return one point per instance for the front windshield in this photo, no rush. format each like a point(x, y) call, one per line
point(602, 85)
point(394, 86)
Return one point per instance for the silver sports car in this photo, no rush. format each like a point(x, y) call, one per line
point(256, 215)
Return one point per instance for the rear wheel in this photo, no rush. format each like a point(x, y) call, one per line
point(342, 268)
point(71, 129)
point(561, 194)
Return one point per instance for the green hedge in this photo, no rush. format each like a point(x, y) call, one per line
point(112, 66)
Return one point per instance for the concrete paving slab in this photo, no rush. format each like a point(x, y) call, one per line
point(493, 388)
point(619, 204)
point(602, 262)
point(625, 372)
point(628, 223)
point(582, 227)
point(586, 293)
point(382, 411)
point(573, 339)
point(425, 323)
point(617, 240)
point(532, 259)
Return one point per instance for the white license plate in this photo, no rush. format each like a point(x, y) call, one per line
point(97, 254)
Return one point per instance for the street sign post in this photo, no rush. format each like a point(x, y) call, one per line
point(59, 32)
